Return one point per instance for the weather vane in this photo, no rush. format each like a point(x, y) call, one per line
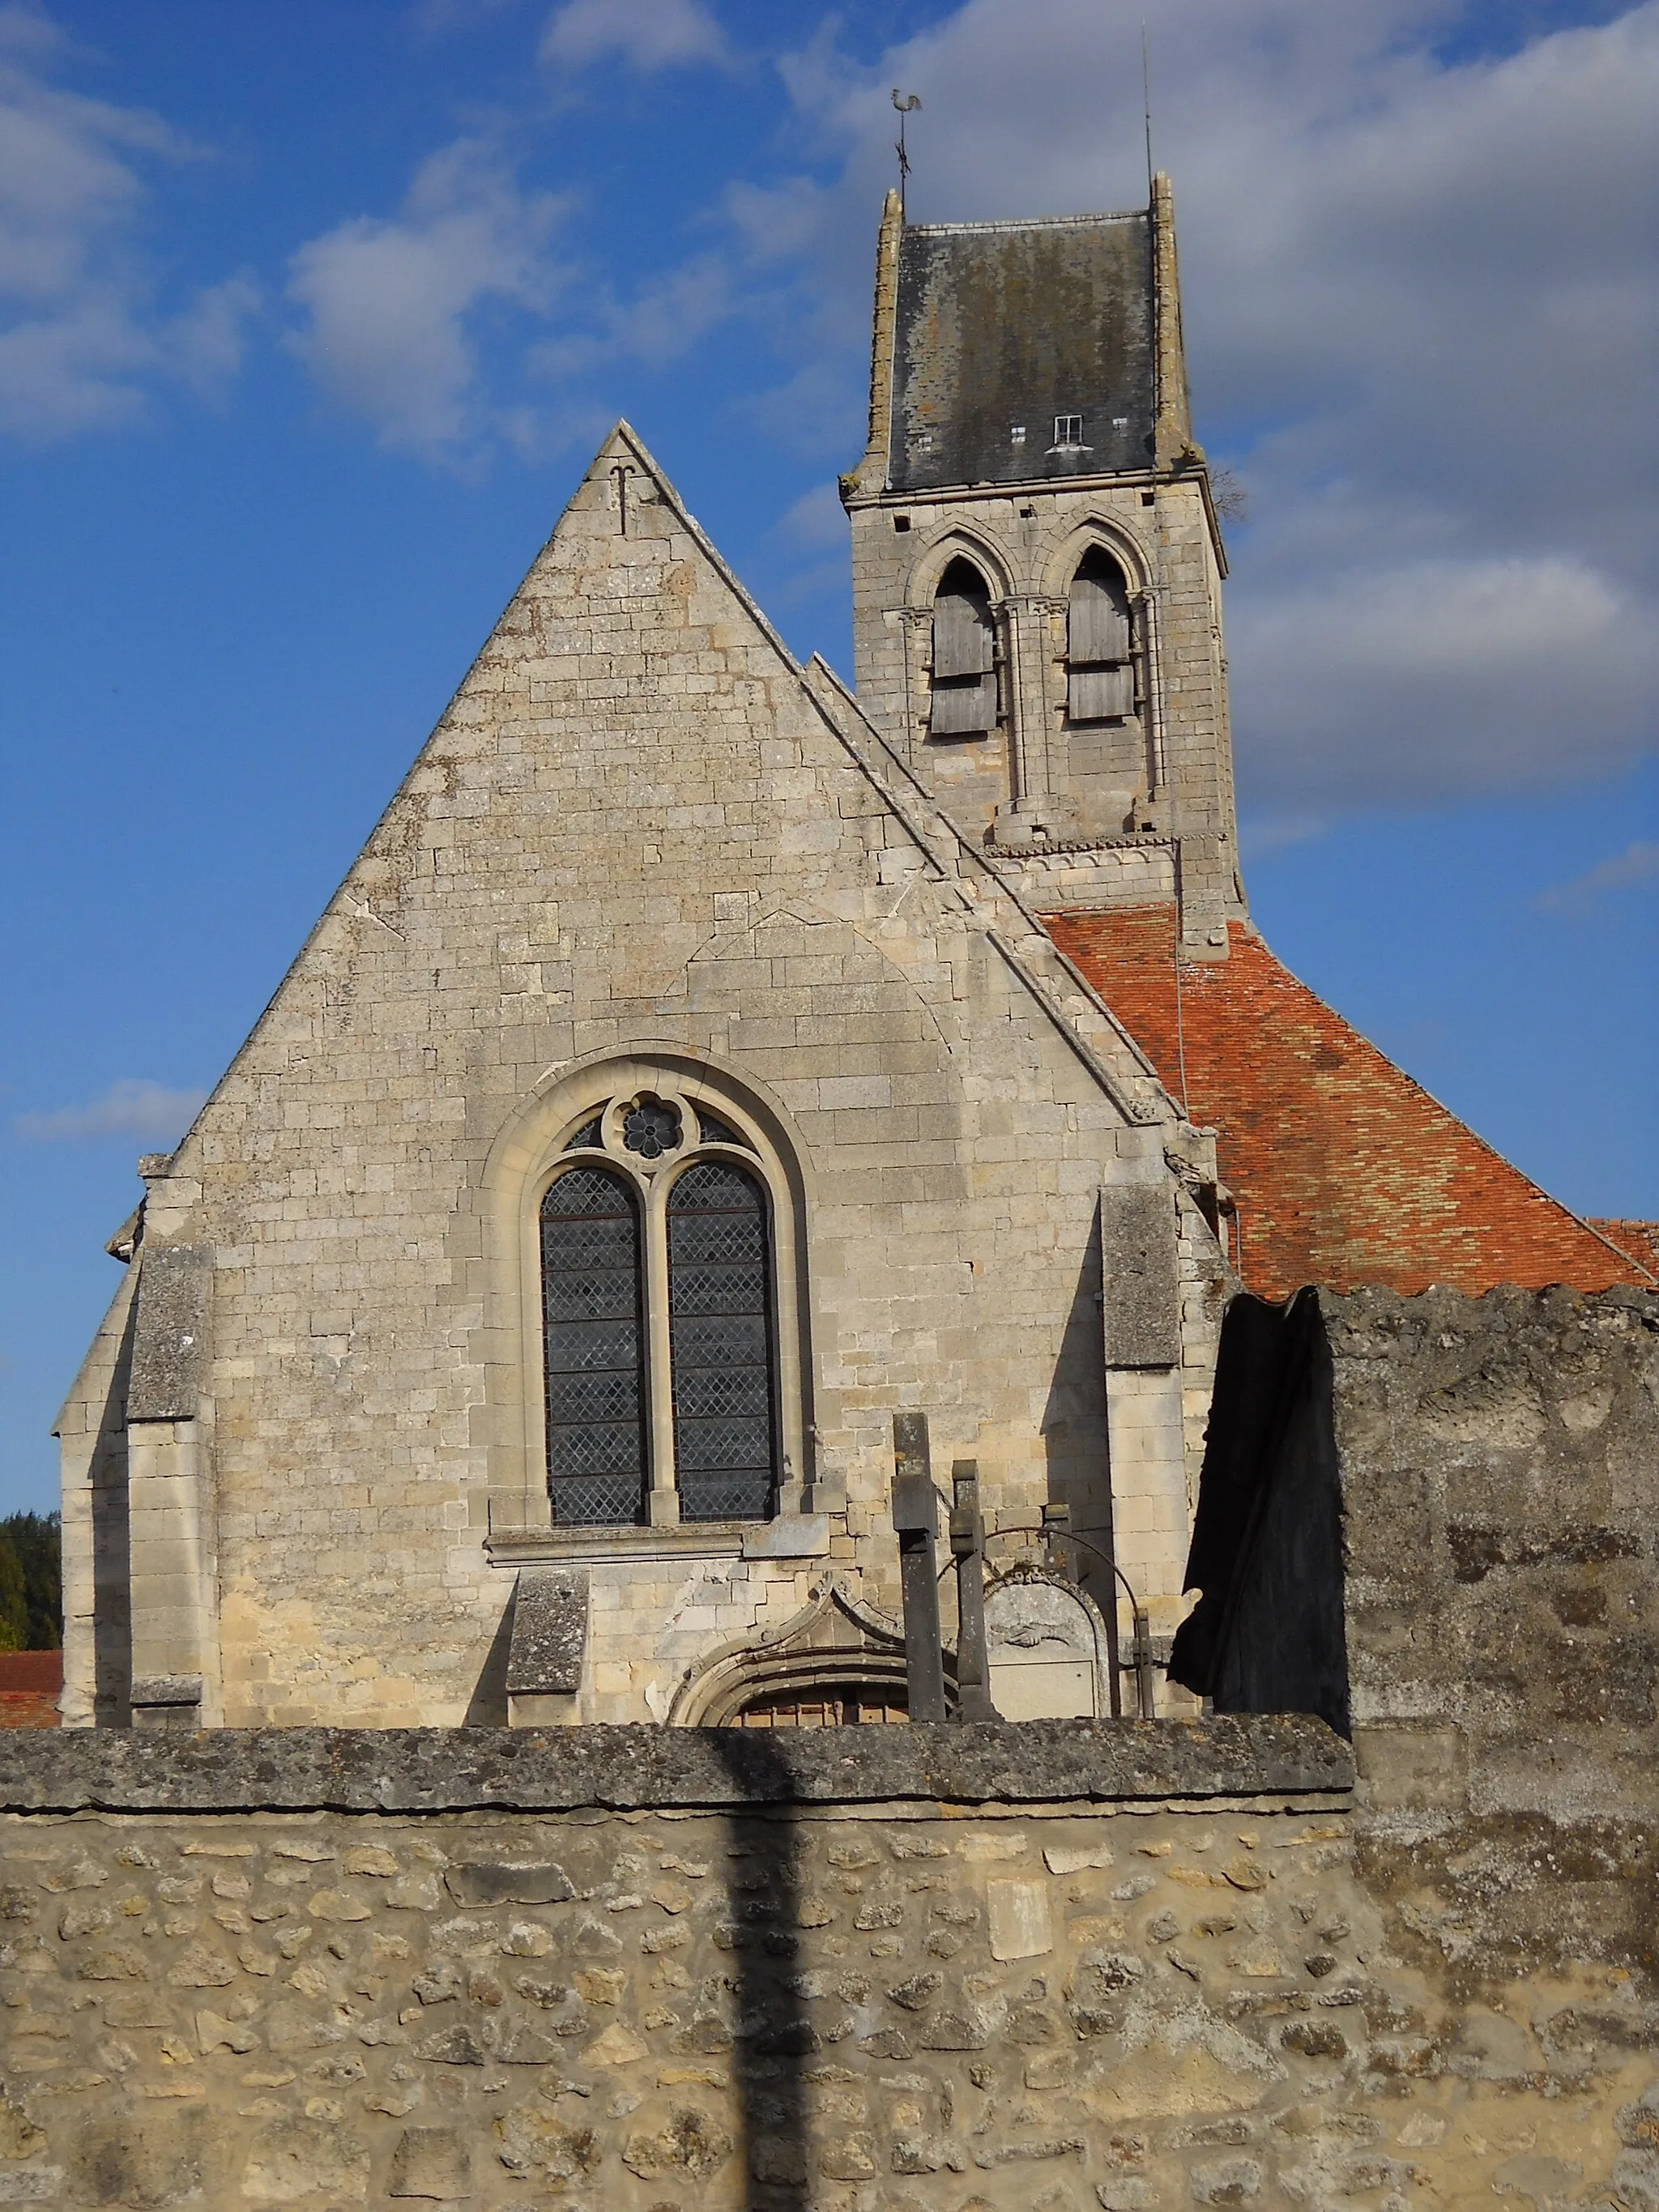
point(907, 104)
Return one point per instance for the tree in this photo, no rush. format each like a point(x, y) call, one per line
point(31, 1582)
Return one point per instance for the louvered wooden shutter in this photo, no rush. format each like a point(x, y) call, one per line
point(963, 705)
point(961, 636)
point(1099, 626)
point(1096, 695)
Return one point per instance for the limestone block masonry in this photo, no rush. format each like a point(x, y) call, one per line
point(1129, 1966)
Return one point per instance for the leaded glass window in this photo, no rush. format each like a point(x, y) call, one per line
point(594, 1337)
point(719, 1335)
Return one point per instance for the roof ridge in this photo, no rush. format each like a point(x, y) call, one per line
point(1031, 222)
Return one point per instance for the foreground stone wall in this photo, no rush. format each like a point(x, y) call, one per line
point(1500, 1465)
point(476, 1969)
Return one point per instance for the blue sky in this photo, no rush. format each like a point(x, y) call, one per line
point(310, 317)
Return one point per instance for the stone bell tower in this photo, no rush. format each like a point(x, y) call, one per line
point(1037, 563)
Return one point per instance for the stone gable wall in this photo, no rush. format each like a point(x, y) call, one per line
point(633, 832)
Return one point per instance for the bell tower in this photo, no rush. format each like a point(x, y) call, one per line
point(1037, 561)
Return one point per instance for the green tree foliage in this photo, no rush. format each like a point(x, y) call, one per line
point(31, 1582)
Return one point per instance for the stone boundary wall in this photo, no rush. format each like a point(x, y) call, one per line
point(883, 1970)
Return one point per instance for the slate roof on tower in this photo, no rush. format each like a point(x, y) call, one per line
point(1004, 330)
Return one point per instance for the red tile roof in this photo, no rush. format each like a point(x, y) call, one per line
point(1344, 1170)
point(1639, 1238)
point(29, 1684)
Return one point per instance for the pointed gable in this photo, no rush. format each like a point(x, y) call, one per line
point(646, 869)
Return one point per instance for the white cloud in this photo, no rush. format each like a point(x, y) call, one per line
point(1636, 866)
point(394, 305)
point(1404, 683)
point(82, 339)
point(1420, 302)
point(662, 321)
point(132, 1107)
point(649, 34)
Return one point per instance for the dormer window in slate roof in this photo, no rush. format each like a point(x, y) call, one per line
point(964, 701)
point(1100, 683)
point(1068, 435)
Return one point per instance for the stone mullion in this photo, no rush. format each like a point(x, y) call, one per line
point(1150, 624)
point(663, 1497)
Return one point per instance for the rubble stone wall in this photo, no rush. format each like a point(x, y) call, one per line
point(1179, 1986)
point(1500, 1487)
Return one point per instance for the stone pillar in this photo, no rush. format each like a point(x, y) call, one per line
point(1036, 811)
point(169, 1511)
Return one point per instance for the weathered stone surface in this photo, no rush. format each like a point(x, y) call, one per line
point(540, 2144)
point(307, 2156)
point(171, 1337)
point(549, 1640)
point(692, 2144)
point(1020, 1919)
point(1141, 1276)
point(1499, 1463)
point(432, 2163)
point(1232, 1998)
point(487, 1881)
point(433, 1770)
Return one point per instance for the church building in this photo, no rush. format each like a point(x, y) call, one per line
point(705, 1062)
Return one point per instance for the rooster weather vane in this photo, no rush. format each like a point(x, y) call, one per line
point(907, 104)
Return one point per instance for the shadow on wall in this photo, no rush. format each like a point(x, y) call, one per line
point(1074, 1436)
point(762, 2011)
point(488, 1706)
point(1267, 1634)
point(111, 1607)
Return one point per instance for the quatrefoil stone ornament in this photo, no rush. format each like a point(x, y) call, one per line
point(651, 1128)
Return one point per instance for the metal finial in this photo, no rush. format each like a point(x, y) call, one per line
point(1146, 102)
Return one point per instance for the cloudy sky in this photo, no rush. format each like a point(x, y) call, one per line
point(310, 316)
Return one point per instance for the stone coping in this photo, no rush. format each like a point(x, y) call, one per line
point(645, 1767)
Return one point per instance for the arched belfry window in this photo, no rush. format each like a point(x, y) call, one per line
point(1100, 682)
point(964, 701)
point(660, 1316)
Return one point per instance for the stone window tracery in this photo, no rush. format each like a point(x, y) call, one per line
point(660, 1318)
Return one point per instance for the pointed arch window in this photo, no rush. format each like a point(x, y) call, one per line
point(720, 1342)
point(1100, 682)
point(595, 1347)
point(964, 701)
point(661, 1319)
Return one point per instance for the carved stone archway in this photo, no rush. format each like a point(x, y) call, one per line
point(835, 1660)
